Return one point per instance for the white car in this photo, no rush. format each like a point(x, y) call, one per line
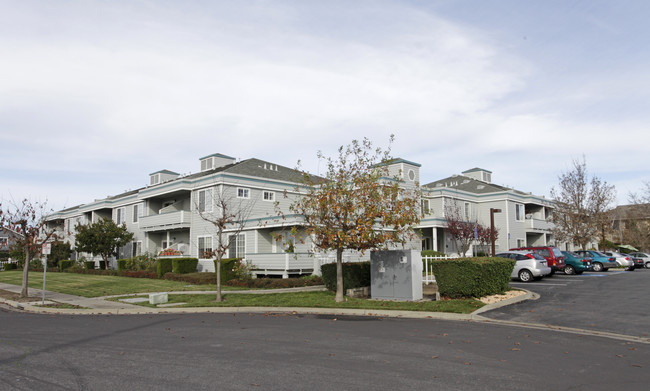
point(622, 260)
point(528, 265)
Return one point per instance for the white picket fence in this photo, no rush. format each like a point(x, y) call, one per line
point(427, 269)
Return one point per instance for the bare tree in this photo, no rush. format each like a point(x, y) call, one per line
point(637, 229)
point(582, 205)
point(461, 228)
point(28, 220)
point(228, 215)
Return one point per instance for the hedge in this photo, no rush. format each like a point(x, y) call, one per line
point(184, 265)
point(90, 265)
point(355, 275)
point(122, 264)
point(65, 264)
point(10, 266)
point(163, 265)
point(227, 266)
point(472, 277)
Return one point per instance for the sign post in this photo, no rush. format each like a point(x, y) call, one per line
point(45, 250)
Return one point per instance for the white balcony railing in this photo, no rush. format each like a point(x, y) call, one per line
point(539, 225)
point(172, 220)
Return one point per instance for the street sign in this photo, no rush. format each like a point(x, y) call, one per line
point(46, 248)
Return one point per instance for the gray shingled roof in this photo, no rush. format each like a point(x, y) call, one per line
point(470, 185)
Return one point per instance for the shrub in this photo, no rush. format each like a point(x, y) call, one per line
point(184, 265)
point(229, 269)
point(472, 277)
point(123, 264)
point(90, 265)
point(355, 275)
point(10, 266)
point(163, 265)
point(65, 264)
point(272, 283)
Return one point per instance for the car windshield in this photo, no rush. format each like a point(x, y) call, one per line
point(557, 252)
point(538, 257)
point(600, 254)
point(572, 254)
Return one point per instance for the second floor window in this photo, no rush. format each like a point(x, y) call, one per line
point(120, 216)
point(519, 212)
point(205, 200)
point(243, 193)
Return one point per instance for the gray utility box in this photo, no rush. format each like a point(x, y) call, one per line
point(396, 275)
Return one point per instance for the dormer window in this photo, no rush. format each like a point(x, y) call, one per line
point(155, 179)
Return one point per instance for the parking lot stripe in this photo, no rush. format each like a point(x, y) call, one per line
point(535, 283)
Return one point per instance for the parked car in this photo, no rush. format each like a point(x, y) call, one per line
point(576, 264)
point(600, 262)
point(528, 265)
point(639, 263)
point(645, 257)
point(553, 256)
point(622, 259)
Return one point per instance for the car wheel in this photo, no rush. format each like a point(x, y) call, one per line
point(647, 265)
point(568, 269)
point(598, 267)
point(525, 275)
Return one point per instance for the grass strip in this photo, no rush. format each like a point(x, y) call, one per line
point(90, 285)
point(318, 300)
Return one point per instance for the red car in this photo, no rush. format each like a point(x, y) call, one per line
point(553, 256)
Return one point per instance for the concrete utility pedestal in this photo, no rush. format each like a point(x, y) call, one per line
point(396, 275)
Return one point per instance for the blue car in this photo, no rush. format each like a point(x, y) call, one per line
point(576, 264)
point(600, 261)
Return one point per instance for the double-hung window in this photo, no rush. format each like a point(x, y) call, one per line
point(205, 247)
point(137, 212)
point(204, 202)
point(237, 246)
point(519, 212)
point(120, 217)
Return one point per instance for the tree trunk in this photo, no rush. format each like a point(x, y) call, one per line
point(339, 275)
point(25, 291)
point(219, 299)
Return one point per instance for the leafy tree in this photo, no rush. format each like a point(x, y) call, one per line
point(228, 219)
point(60, 251)
point(359, 206)
point(28, 220)
point(102, 238)
point(583, 206)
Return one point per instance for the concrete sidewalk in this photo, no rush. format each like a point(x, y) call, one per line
point(99, 305)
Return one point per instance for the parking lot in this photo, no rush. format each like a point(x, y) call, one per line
point(615, 301)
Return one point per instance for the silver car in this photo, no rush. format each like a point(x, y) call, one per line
point(645, 257)
point(622, 260)
point(528, 265)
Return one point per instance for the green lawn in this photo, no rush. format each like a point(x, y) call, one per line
point(319, 299)
point(90, 285)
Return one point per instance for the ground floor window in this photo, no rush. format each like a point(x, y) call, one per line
point(136, 249)
point(205, 247)
point(237, 246)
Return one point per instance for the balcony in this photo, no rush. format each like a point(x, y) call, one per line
point(166, 221)
point(538, 225)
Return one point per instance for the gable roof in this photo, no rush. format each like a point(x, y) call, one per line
point(470, 185)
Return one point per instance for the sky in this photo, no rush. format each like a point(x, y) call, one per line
point(96, 95)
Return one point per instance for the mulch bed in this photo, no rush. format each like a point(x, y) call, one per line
point(16, 297)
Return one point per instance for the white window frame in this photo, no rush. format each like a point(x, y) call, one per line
point(137, 213)
point(136, 248)
point(268, 196)
point(521, 243)
point(120, 216)
point(198, 245)
point(207, 200)
point(426, 207)
point(520, 212)
point(240, 246)
point(243, 192)
point(467, 210)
